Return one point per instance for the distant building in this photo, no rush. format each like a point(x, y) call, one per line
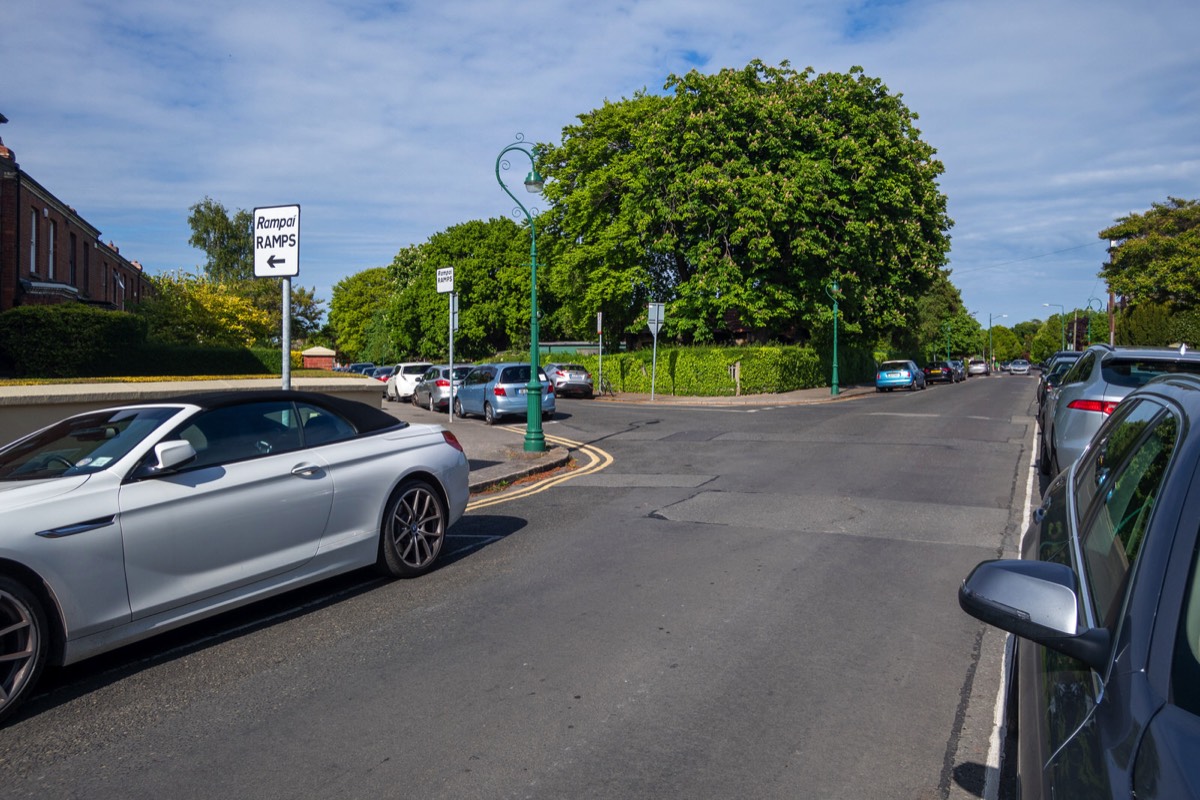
point(49, 254)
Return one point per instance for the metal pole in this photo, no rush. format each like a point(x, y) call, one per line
point(834, 292)
point(286, 345)
point(450, 402)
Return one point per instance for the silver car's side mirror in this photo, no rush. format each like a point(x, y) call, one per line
point(1035, 600)
point(168, 456)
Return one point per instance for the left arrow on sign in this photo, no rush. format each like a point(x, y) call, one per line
point(275, 261)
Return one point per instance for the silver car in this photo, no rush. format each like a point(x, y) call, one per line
point(1090, 391)
point(433, 388)
point(494, 390)
point(121, 523)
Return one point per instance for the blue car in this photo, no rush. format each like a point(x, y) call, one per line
point(899, 375)
point(495, 390)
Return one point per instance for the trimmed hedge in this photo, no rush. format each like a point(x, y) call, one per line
point(708, 371)
point(76, 341)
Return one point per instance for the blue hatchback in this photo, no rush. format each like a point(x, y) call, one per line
point(899, 375)
point(494, 390)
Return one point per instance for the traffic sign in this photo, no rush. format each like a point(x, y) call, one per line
point(276, 241)
point(445, 280)
point(655, 318)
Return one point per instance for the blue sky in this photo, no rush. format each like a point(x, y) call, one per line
point(383, 120)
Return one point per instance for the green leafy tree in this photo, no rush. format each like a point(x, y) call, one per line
point(1025, 331)
point(491, 275)
point(740, 197)
point(356, 300)
point(1157, 257)
point(191, 310)
point(1146, 324)
point(1005, 344)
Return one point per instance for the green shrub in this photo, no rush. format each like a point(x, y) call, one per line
point(68, 340)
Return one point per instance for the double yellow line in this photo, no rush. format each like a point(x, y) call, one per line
point(597, 460)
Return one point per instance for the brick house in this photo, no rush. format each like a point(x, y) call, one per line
point(49, 254)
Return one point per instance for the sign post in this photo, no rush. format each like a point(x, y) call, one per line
point(655, 318)
point(277, 255)
point(600, 338)
point(445, 285)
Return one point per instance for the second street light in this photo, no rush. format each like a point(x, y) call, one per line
point(991, 350)
point(835, 294)
point(1062, 321)
point(535, 440)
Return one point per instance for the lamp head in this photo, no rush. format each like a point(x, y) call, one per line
point(534, 182)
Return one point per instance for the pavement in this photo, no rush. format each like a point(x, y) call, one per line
point(497, 452)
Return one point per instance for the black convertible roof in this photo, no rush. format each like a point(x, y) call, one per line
point(363, 417)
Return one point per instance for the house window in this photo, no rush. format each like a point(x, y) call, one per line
point(33, 239)
point(87, 268)
point(50, 254)
point(71, 259)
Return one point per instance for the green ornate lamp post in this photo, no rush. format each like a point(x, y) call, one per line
point(1062, 320)
point(991, 350)
point(946, 330)
point(835, 294)
point(535, 440)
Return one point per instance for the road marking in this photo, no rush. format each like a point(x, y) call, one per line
point(597, 460)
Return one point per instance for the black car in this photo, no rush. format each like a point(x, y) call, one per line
point(940, 371)
point(1106, 602)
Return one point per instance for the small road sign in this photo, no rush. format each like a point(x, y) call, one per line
point(445, 280)
point(276, 241)
point(655, 317)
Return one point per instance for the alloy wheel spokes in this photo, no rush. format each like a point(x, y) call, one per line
point(417, 528)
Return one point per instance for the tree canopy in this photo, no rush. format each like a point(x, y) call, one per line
point(356, 300)
point(1157, 255)
point(187, 309)
point(739, 197)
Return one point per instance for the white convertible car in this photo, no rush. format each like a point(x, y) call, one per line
point(125, 522)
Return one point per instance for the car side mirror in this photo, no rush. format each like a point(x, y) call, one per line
point(1035, 600)
point(168, 457)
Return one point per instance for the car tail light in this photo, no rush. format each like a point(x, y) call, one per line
point(1102, 406)
point(441, 383)
point(452, 440)
point(499, 392)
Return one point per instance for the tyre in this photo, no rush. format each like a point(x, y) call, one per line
point(489, 415)
point(432, 405)
point(1044, 465)
point(458, 409)
point(24, 639)
point(414, 527)
point(547, 415)
point(912, 387)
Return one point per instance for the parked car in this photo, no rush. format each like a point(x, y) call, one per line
point(569, 379)
point(1047, 386)
point(1018, 366)
point(121, 523)
point(899, 375)
point(404, 379)
point(1091, 389)
point(496, 390)
point(939, 371)
point(960, 370)
point(1058, 363)
point(433, 387)
point(1106, 602)
point(381, 374)
point(361, 367)
point(977, 366)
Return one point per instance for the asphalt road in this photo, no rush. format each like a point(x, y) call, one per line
point(751, 602)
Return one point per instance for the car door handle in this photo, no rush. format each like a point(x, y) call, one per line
point(305, 470)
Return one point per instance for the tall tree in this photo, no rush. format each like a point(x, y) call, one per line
point(356, 300)
point(742, 195)
point(1157, 257)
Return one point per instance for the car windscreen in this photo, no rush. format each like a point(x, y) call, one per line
point(1135, 372)
point(893, 365)
point(461, 372)
point(415, 369)
point(81, 445)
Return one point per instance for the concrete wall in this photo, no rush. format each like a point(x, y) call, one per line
point(24, 409)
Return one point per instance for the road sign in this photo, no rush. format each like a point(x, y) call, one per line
point(656, 317)
point(445, 280)
point(276, 241)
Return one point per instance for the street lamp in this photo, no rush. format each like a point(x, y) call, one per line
point(1062, 319)
point(946, 330)
point(1090, 301)
point(535, 440)
point(992, 350)
point(834, 293)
